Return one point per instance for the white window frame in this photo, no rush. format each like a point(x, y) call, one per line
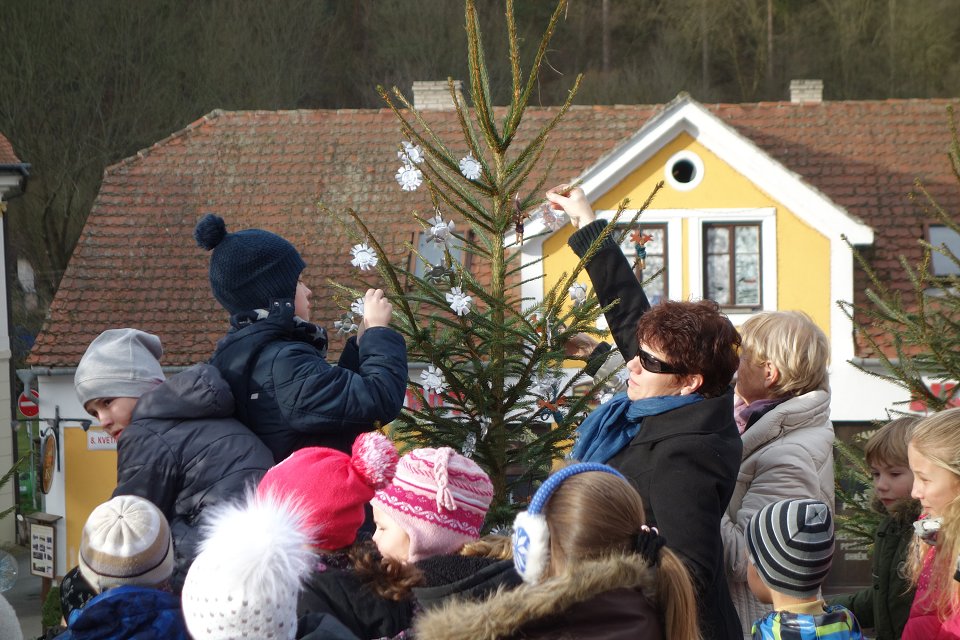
point(767, 219)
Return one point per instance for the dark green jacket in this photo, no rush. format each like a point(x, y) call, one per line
point(885, 605)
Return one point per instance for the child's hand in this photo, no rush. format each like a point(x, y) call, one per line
point(573, 203)
point(377, 310)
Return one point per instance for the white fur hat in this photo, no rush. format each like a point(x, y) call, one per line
point(246, 580)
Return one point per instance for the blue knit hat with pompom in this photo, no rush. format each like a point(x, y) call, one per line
point(248, 268)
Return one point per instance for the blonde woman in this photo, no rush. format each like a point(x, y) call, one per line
point(782, 410)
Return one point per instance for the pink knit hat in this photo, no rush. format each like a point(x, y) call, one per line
point(439, 498)
point(332, 487)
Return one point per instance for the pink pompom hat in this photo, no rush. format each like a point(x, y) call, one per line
point(439, 498)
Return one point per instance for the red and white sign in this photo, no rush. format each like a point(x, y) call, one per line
point(98, 440)
point(29, 403)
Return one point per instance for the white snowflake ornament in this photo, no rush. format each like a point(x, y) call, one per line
point(578, 294)
point(357, 307)
point(364, 257)
point(552, 218)
point(440, 232)
point(469, 445)
point(469, 167)
point(409, 177)
point(345, 325)
point(432, 379)
point(459, 301)
point(485, 423)
point(410, 154)
point(544, 385)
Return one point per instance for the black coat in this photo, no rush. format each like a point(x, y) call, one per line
point(291, 397)
point(184, 452)
point(684, 462)
point(463, 578)
point(341, 594)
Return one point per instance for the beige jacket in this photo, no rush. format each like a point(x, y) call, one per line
point(787, 453)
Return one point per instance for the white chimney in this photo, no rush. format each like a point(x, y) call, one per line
point(434, 94)
point(806, 91)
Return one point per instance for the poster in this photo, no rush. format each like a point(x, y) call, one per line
point(41, 550)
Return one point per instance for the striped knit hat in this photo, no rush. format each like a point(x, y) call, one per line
point(791, 545)
point(439, 498)
point(126, 540)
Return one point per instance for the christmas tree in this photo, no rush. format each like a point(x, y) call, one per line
point(923, 356)
point(493, 386)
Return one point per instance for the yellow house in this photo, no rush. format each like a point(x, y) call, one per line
point(732, 224)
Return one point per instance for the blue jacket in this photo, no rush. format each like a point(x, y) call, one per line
point(129, 612)
point(290, 396)
point(184, 452)
point(835, 623)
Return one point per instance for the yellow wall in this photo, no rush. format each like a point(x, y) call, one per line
point(803, 254)
point(89, 480)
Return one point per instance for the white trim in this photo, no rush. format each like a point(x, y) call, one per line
point(767, 218)
point(698, 170)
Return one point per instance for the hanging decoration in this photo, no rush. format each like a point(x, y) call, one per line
point(459, 301)
point(469, 167)
point(409, 177)
point(364, 258)
point(432, 380)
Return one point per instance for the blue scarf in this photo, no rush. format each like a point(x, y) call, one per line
point(611, 426)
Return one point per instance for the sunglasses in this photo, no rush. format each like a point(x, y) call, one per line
point(656, 365)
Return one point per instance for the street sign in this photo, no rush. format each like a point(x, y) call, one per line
point(29, 403)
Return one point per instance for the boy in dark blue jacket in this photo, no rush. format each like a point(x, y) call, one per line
point(275, 360)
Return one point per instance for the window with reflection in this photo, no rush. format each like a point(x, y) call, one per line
point(731, 264)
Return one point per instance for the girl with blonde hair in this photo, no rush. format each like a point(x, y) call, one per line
point(934, 454)
point(591, 568)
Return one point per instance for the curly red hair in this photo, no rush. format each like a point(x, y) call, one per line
point(696, 337)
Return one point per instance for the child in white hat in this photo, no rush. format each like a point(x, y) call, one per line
point(126, 556)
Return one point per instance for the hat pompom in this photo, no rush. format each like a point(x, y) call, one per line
point(375, 459)
point(210, 231)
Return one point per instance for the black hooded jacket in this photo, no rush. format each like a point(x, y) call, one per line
point(183, 451)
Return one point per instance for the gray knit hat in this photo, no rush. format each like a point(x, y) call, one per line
point(791, 545)
point(119, 363)
point(126, 540)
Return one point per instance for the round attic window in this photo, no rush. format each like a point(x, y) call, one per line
point(684, 170)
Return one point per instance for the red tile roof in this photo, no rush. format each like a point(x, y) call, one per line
point(7, 156)
point(136, 263)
